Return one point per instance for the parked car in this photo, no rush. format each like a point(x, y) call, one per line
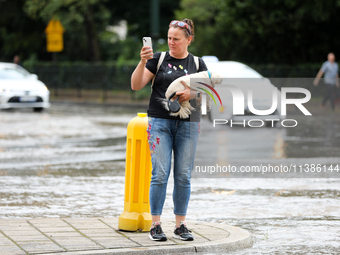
point(245, 78)
point(21, 89)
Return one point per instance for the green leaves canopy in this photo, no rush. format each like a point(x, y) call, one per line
point(264, 31)
point(261, 31)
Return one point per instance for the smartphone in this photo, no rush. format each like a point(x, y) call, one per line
point(147, 42)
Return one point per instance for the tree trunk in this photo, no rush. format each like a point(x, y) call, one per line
point(92, 38)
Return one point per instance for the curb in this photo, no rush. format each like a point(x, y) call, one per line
point(238, 239)
point(101, 236)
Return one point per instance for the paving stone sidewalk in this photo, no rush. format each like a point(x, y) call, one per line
point(70, 236)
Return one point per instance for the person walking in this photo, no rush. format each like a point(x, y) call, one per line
point(167, 134)
point(330, 68)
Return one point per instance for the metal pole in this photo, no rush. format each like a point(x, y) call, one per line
point(56, 86)
point(54, 58)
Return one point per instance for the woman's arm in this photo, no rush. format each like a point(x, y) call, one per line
point(141, 75)
point(188, 93)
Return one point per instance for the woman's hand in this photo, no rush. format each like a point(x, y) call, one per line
point(145, 54)
point(186, 94)
point(141, 75)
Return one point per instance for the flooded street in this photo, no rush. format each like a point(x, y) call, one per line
point(69, 162)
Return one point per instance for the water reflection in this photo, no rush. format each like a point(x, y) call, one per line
point(69, 162)
point(279, 147)
point(314, 141)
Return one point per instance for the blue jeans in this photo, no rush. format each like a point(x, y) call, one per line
point(165, 136)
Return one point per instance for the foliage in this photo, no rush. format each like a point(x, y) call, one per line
point(137, 13)
point(265, 31)
point(81, 18)
point(86, 37)
point(253, 32)
point(203, 13)
point(19, 35)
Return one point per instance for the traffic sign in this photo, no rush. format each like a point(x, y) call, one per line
point(54, 32)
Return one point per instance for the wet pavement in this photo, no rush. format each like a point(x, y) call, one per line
point(69, 162)
point(69, 236)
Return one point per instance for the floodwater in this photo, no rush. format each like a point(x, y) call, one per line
point(69, 162)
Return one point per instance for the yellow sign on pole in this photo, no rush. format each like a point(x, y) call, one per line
point(54, 32)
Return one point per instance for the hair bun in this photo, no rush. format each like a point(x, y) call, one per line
point(191, 27)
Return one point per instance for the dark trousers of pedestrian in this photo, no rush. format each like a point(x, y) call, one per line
point(331, 94)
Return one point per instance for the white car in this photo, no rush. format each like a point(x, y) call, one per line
point(245, 78)
point(21, 89)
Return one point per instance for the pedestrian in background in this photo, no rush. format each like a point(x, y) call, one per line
point(331, 69)
point(16, 60)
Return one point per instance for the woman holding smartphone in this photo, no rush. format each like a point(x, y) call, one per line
point(168, 133)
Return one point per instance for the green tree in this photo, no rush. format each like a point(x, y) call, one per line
point(203, 13)
point(19, 34)
point(137, 13)
point(81, 18)
point(265, 31)
point(22, 25)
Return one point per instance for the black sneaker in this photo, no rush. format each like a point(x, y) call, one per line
point(183, 233)
point(157, 234)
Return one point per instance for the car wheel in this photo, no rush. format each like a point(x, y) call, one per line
point(38, 109)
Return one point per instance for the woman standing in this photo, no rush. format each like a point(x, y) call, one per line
point(168, 133)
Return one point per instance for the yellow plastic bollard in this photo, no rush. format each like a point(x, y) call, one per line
point(136, 215)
